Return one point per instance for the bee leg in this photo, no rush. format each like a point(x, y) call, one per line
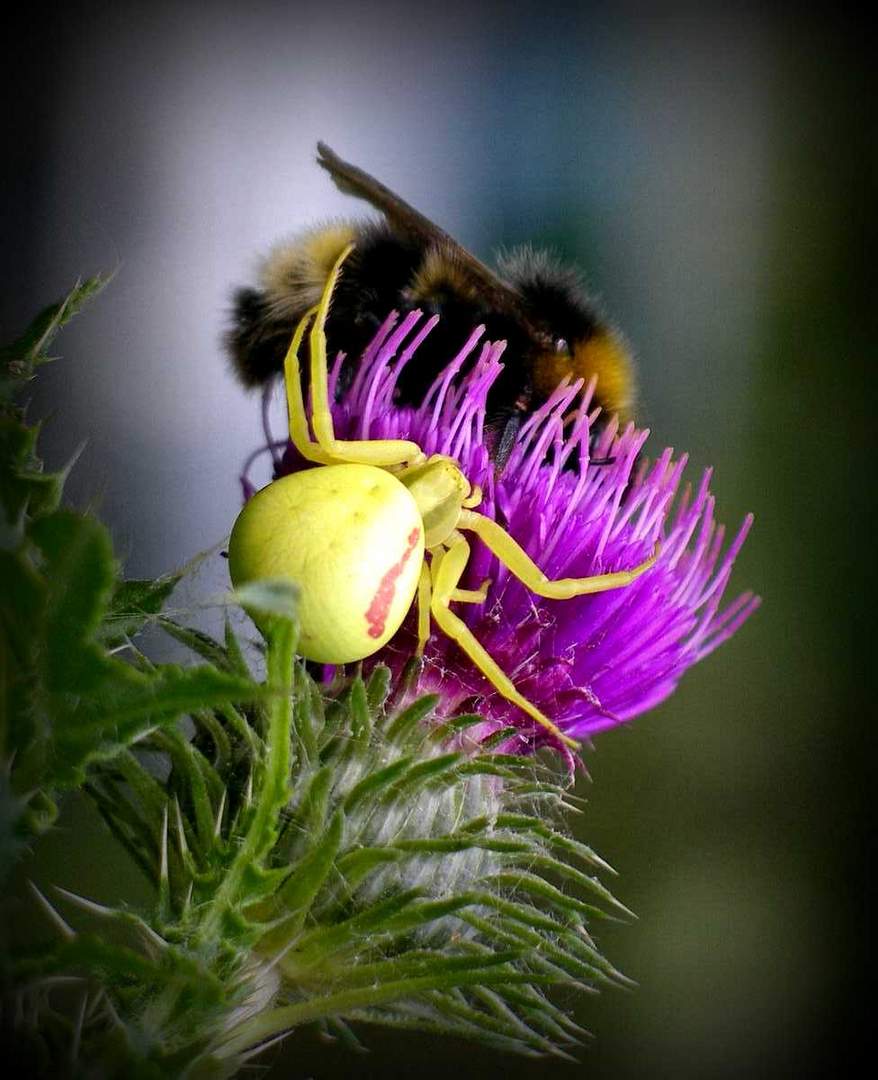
point(526, 570)
point(446, 570)
point(507, 441)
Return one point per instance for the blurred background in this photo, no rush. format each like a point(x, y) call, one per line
point(705, 167)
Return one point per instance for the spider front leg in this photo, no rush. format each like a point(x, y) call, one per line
point(300, 432)
point(446, 571)
point(513, 556)
point(327, 450)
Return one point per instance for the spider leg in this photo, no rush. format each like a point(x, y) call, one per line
point(425, 590)
point(379, 452)
point(300, 432)
point(472, 596)
point(446, 570)
point(526, 570)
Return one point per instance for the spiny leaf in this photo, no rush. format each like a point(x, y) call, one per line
point(447, 844)
point(542, 949)
point(423, 772)
point(356, 865)
point(268, 597)
point(416, 1015)
point(424, 912)
point(523, 881)
point(311, 810)
point(189, 780)
point(18, 360)
point(129, 704)
point(498, 738)
point(23, 484)
point(22, 599)
point(78, 562)
point(361, 723)
point(198, 642)
point(151, 796)
point(132, 605)
point(233, 651)
point(324, 941)
point(303, 715)
point(375, 782)
point(446, 730)
point(235, 719)
point(295, 896)
point(409, 720)
point(378, 687)
point(488, 972)
point(508, 1025)
point(209, 725)
point(113, 810)
point(420, 963)
point(586, 882)
point(528, 824)
point(533, 1003)
point(258, 884)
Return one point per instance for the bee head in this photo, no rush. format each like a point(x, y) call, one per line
point(603, 353)
point(575, 340)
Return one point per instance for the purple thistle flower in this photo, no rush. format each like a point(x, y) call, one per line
point(590, 662)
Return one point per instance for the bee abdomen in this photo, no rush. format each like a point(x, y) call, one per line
point(256, 342)
point(294, 274)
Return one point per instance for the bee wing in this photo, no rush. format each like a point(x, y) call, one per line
point(354, 181)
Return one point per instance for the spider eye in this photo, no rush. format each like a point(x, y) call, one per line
point(561, 345)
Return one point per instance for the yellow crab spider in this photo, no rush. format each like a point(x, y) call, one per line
point(378, 525)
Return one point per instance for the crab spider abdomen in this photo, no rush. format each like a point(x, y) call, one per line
point(351, 537)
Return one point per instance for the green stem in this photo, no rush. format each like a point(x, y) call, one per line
point(273, 791)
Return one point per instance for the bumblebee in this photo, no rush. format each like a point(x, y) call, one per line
point(403, 261)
